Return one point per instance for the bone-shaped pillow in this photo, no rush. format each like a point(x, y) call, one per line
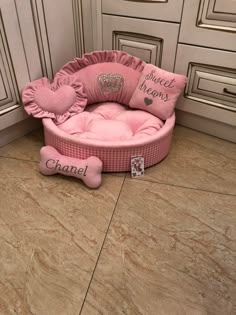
point(89, 170)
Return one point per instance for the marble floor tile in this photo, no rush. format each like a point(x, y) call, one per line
point(51, 233)
point(169, 251)
point(25, 148)
point(199, 161)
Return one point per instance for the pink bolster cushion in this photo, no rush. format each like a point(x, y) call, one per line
point(108, 82)
point(89, 170)
point(157, 91)
point(104, 76)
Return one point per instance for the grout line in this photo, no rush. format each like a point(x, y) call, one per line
point(14, 158)
point(137, 180)
point(108, 228)
point(180, 186)
point(33, 161)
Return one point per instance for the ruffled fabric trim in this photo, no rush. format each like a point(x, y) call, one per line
point(101, 57)
point(33, 108)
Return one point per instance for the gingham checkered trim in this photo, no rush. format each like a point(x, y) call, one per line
point(114, 159)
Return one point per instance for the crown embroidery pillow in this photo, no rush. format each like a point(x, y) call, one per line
point(157, 91)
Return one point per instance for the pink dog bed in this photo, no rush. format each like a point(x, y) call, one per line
point(110, 105)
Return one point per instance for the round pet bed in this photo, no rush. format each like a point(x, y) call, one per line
point(110, 105)
point(115, 155)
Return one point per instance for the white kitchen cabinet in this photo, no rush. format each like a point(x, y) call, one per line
point(57, 33)
point(37, 38)
point(153, 41)
point(13, 66)
point(211, 88)
point(142, 28)
point(210, 23)
point(207, 55)
point(163, 10)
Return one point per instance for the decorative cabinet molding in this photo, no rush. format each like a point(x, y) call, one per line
point(37, 37)
point(163, 10)
point(211, 83)
point(9, 98)
point(13, 65)
point(58, 35)
point(210, 23)
point(158, 47)
point(147, 48)
point(92, 24)
point(13, 45)
point(225, 6)
point(56, 38)
point(217, 14)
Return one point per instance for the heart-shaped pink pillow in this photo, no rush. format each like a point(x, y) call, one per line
point(58, 101)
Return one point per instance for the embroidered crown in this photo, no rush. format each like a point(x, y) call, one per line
point(110, 82)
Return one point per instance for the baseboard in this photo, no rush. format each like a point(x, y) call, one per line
point(19, 130)
point(211, 127)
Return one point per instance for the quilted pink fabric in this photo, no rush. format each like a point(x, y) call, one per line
point(111, 122)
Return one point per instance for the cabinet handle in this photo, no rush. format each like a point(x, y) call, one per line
point(225, 90)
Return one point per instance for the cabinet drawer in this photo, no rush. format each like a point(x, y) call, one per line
point(211, 87)
point(154, 42)
point(211, 23)
point(167, 10)
point(225, 6)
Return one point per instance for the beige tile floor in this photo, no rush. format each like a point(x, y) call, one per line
point(164, 244)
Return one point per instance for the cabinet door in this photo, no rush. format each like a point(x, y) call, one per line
point(8, 89)
point(55, 35)
point(165, 10)
point(211, 87)
point(13, 66)
point(210, 23)
point(154, 42)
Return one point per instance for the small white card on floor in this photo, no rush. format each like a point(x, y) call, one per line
point(137, 166)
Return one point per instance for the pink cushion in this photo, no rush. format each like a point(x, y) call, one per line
point(112, 122)
point(108, 82)
point(157, 91)
point(102, 77)
point(101, 109)
point(108, 75)
point(60, 100)
point(89, 170)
